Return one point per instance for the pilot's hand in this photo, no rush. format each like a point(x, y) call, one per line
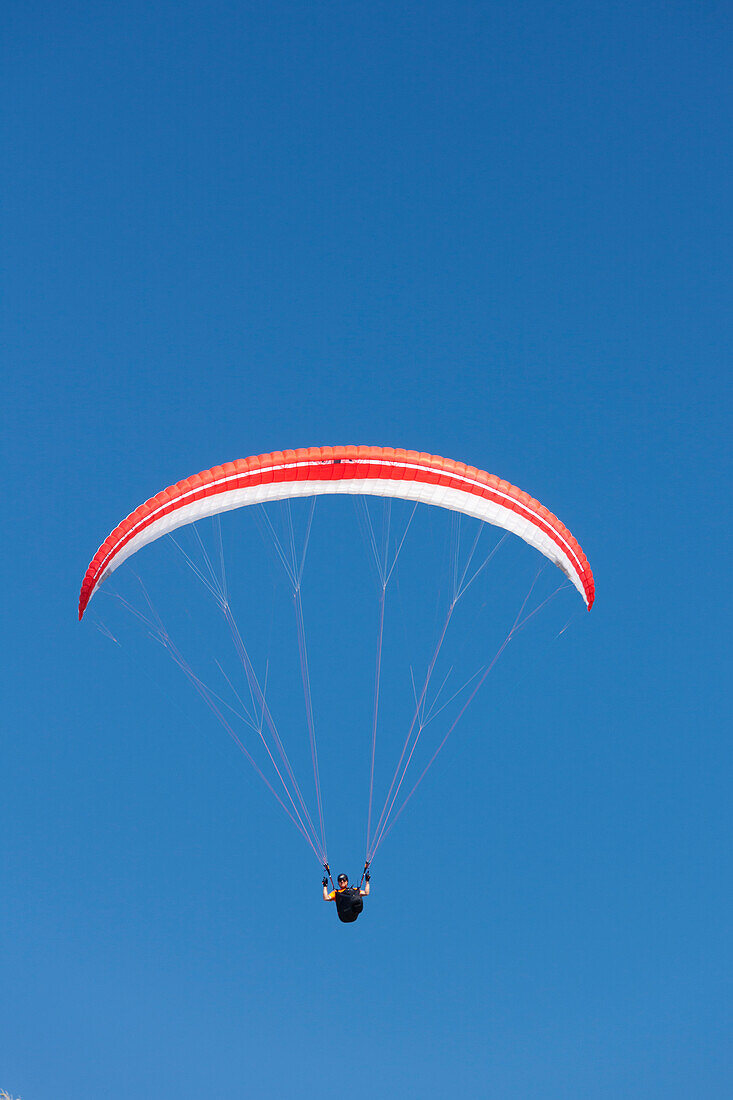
point(367, 875)
point(324, 881)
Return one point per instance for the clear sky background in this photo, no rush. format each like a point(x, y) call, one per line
point(495, 232)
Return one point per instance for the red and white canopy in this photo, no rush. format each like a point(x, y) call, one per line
point(313, 471)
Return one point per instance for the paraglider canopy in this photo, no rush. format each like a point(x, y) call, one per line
point(314, 471)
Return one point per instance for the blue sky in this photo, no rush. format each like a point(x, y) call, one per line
point(498, 235)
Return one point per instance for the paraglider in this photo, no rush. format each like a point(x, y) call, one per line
point(363, 472)
point(349, 903)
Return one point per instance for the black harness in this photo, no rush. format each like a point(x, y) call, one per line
point(349, 903)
